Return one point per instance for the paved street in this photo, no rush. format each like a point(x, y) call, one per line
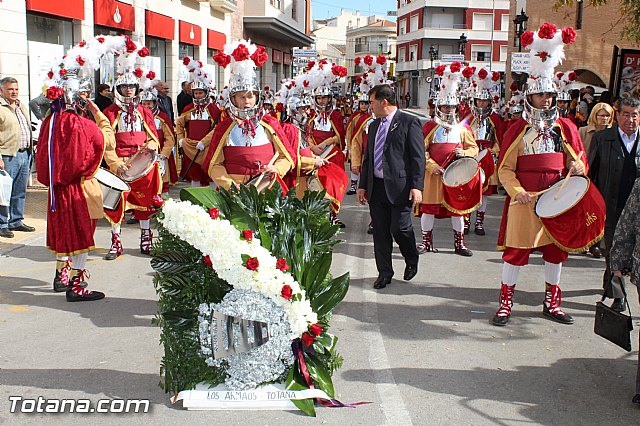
point(422, 352)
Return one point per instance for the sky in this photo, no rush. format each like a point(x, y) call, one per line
point(323, 9)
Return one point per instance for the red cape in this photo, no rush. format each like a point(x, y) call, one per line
point(112, 111)
point(338, 124)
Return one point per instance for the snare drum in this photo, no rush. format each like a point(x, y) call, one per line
point(112, 188)
point(573, 217)
point(313, 182)
point(462, 186)
point(140, 164)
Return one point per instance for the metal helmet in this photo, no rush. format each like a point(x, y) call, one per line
point(120, 98)
point(515, 109)
point(199, 85)
point(481, 113)
point(323, 91)
point(148, 95)
point(540, 117)
point(443, 118)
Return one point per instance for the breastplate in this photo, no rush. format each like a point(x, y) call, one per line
point(542, 141)
point(447, 135)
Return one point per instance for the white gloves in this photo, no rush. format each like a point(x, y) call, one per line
point(180, 143)
point(200, 146)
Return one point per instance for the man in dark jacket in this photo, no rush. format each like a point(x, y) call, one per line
point(614, 162)
point(103, 99)
point(393, 178)
point(184, 97)
point(164, 100)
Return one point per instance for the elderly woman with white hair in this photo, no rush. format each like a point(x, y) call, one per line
point(625, 251)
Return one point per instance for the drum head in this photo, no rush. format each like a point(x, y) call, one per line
point(482, 154)
point(313, 183)
point(549, 206)
point(461, 171)
point(106, 178)
point(140, 165)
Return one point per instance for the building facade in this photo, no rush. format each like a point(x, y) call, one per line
point(37, 29)
point(477, 29)
point(377, 38)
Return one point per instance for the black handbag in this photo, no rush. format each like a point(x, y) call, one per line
point(614, 326)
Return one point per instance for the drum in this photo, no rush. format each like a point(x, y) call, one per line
point(487, 163)
point(139, 164)
point(262, 181)
point(573, 217)
point(112, 188)
point(462, 186)
point(162, 163)
point(313, 183)
point(326, 151)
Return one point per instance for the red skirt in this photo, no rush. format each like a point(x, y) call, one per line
point(70, 229)
point(140, 198)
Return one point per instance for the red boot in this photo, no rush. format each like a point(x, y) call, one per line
point(146, 240)
point(501, 318)
point(459, 245)
point(551, 305)
point(77, 293)
point(116, 247)
point(479, 225)
point(427, 243)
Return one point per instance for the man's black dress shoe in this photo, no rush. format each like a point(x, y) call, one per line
point(24, 228)
point(381, 282)
point(410, 271)
point(618, 304)
point(4, 232)
point(636, 399)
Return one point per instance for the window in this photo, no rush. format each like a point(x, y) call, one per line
point(157, 59)
point(403, 26)
point(480, 52)
point(186, 50)
point(414, 23)
point(294, 10)
point(401, 53)
point(482, 21)
point(276, 3)
point(504, 25)
point(48, 30)
point(219, 79)
point(503, 53)
point(413, 53)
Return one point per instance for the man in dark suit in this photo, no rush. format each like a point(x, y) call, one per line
point(184, 97)
point(393, 178)
point(614, 160)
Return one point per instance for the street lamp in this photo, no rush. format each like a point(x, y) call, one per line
point(433, 55)
point(462, 43)
point(520, 22)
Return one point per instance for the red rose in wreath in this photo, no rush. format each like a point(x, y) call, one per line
point(286, 292)
point(282, 264)
point(316, 329)
point(214, 213)
point(247, 234)
point(252, 264)
point(307, 339)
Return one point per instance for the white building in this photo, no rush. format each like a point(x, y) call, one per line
point(476, 28)
point(377, 38)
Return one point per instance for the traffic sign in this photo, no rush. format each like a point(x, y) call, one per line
point(520, 62)
point(452, 58)
point(302, 53)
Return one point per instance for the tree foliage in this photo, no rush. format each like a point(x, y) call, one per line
point(629, 15)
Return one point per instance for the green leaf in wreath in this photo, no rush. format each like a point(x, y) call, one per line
point(171, 262)
point(327, 341)
point(333, 293)
point(293, 383)
point(206, 197)
point(319, 374)
point(245, 257)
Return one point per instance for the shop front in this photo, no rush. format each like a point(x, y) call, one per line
point(159, 33)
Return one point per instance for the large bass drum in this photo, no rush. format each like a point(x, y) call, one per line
point(112, 188)
point(462, 186)
point(140, 164)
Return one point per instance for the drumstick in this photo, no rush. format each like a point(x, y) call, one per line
point(566, 179)
point(330, 156)
point(533, 194)
point(273, 160)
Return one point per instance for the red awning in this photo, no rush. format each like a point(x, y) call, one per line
point(216, 40)
point(113, 14)
point(73, 9)
point(157, 25)
point(190, 33)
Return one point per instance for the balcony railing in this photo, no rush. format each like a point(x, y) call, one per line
point(224, 6)
point(372, 47)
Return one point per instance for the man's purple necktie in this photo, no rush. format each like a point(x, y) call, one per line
point(379, 145)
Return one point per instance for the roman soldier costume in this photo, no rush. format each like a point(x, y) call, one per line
point(243, 144)
point(135, 128)
point(194, 127)
point(537, 151)
point(445, 139)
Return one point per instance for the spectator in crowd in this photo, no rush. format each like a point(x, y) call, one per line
point(184, 97)
point(392, 181)
point(613, 169)
point(625, 251)
point(40, 105)
point(164, 101)
point(407, 100)
point(601, 118)
point(103, 96)
point(587, 101)
point(605, 97)
point(15, 147)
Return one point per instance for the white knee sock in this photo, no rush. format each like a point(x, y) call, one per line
point(354, 176)
point(78, 261)
point(145, 224)
point(62, 258)
point(483, 207)
point(457, 223)
point(213, 185)
point(195, 184)
point(552, 273)
point(510, 273)
point(427, 221)
point(115, 229)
